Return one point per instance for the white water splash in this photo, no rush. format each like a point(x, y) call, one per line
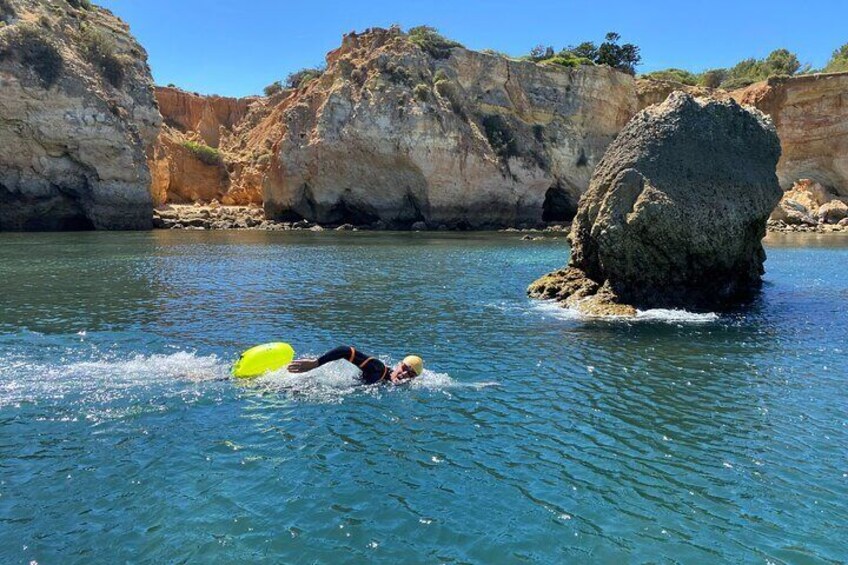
point(24, 380)
point(112, 377)
point(664, 315)
point(334, 381)
point(675, 316)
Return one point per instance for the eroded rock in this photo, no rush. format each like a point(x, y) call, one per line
point(391, 133)
point(76, 115)
point(675, 213)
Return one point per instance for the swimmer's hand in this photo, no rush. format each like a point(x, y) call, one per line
point(399, 379)
point(302, 365)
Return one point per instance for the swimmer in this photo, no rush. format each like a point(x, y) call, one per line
point(373, 370)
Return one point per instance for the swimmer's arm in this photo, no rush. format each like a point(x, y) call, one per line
point(304, 365)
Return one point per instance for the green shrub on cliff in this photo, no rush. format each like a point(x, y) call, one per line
point(712, 78)
point(274, 88)
point(780, 62)
point(34, 48)
point(431, 41)
point(208, 155)
point(567, 61)
point(421, 92)
point(100, 50)
point(303, 77)
point(838, 61)
point(737, 83)
point(449, 91)
point(80, 4)
point(675, 75)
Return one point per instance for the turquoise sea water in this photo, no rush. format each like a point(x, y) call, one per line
point(534, 436)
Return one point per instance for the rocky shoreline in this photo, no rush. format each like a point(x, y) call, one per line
point(778, 226)
point(215, 216)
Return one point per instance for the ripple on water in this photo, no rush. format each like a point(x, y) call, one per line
point(533, 435)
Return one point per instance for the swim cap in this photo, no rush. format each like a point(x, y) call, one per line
point(415, 363)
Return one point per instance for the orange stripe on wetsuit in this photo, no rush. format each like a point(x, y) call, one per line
point(385, 369)
point(373, 370)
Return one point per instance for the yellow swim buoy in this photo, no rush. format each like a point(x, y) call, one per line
point(263, 359)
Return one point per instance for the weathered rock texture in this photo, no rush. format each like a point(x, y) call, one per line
point(810, 113)
point(809, 203)
point(652, 91)
point(392, 133)
point(76, 113)
point(195, 157)
point(675, 212)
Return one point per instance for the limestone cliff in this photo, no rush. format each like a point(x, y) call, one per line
point(393, 133)
point(210, 116)
point(76, 114)
point(811, 116)
point(197, 155)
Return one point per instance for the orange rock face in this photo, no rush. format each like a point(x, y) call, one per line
point(385, 112)
point(810, 113)
point(200, 154)
point(205, 115)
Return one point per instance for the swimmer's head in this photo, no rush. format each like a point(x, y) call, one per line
point(415, 363)
point(412, 366)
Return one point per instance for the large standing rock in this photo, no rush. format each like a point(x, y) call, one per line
point(675, 213)
point(396, 133)
point(76, 115)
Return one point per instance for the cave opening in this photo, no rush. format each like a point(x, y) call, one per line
point(62, 212)
point(559, 205)
point(346, 213)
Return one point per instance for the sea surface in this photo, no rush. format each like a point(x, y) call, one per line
point(534, 436)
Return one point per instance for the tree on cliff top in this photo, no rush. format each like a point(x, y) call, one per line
point(622, 57)
point(838, 61)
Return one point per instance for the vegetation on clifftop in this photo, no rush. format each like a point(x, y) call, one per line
point(624, 57)
point(780, 62)
point(80, 4)
point(431, 41)
point(100, 50)
point(838, 61)
point(303, 77)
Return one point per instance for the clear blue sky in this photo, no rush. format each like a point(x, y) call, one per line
point(236, 48)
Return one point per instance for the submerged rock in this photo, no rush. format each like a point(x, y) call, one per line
point(675, 213)
point(76, 115)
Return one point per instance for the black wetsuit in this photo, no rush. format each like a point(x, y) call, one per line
point(373, 370)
